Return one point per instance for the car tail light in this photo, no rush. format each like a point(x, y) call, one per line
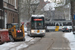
point(67, 29)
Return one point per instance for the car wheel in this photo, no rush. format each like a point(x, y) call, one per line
point(11, 38)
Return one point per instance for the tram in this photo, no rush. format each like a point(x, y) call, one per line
point(57, 25)
point(37, 25)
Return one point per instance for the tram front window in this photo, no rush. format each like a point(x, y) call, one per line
point(37, 25)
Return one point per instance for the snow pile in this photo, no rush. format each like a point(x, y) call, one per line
point(15, 45)
point(11, 46)
point(49, 6)
point(27, 37)
point(25, 29)
point(25, 34)
point(6, 46)
point(22, 46)
point(71, 37)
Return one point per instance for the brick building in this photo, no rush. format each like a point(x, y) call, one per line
point(10, 8)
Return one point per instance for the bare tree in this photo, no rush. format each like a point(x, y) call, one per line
point(25, 10)
point(73, 14)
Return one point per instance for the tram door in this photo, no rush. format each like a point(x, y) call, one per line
point(57, 27)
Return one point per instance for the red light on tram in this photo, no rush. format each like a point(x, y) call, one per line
point(37, 19)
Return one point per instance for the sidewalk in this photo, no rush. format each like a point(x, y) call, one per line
point(71, 37)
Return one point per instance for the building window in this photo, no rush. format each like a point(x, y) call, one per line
point(13, 19)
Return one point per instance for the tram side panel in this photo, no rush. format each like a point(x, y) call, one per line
point(53, 27)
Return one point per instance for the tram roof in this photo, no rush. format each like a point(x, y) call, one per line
point(37, 16)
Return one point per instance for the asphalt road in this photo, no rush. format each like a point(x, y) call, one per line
point(51, 41)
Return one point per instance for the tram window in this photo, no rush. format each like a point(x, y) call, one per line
point(60, 24)
point(67, 24)
point(64, 24)
point(53, 24)
point(47, 24)
point(50, 24)
point(57, 24)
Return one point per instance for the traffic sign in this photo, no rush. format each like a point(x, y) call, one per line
point(74, 17)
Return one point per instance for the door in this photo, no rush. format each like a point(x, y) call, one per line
point(57, 27)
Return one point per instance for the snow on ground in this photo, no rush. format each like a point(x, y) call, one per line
point(27, 37)
point(6, 46)
point(71, 37)
point(11, 45)
point(21, 46)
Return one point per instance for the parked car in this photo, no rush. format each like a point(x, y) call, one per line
point(67, 29)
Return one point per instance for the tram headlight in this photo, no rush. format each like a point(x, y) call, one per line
point(32, 31)
point(43, 30)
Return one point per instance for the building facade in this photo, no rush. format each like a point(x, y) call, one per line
point(1, 14)
point(10, 11)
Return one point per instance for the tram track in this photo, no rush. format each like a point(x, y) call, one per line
point(51, 44)
point(15, 47)
point(53, 41)
point(32, 44)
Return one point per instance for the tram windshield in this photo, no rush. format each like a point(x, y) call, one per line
point(37, 23)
